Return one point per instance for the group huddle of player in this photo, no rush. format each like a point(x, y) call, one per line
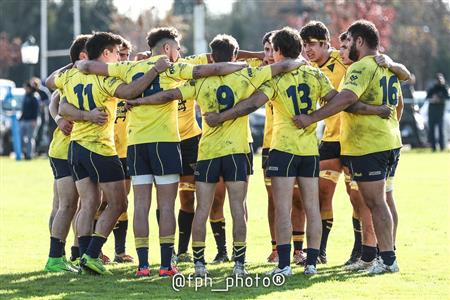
point(124, 123)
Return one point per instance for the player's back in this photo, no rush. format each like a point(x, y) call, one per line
point(87, 92)
point(220, 93)
point(153, 123)
point(294, 93)
point(374, 85)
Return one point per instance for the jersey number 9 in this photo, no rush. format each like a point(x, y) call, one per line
point(225, 97)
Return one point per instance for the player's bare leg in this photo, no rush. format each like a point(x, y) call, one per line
point(120, 232)
point(392, 207)
point(273, 257)
point(298, 218)
point(55, 205)
point(330, 170)
point(282, 191)
point(185, 216)
point(217, 221)
point(205, 197)
point(142, 201)
point(375, 197)
point(166, 195)
point(310, 195)
point(237, 192)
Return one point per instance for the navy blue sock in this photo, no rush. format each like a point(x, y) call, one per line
point(74, 253)
point(166, 255)
point(95, 246)
point(311, 256)
point(284, 255)
point(83, 243)
point(143, 257)
point(388, 257)
point(56, 248)
point(120, 236)
point(368, 253)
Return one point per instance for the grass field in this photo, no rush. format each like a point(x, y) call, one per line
point(422, 191)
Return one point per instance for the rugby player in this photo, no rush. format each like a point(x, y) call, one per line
point(371, 144)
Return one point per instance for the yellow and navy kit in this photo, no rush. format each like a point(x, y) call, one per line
point(335, 70)
point(121, 129)
point(374, 85)
point(294, 93)
point(153, 123)
point(59, 146)
point(87, 92)
point(217, 94)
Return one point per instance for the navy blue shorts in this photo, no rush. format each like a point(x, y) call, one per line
point(85, 163)
point(233, 167)
point(283, 164)
point(329, 150)
point(373, 166)
point(160, 158)
point(123, 161)
point(189, 152)
point(60, 167)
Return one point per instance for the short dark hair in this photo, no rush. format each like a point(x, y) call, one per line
point(126, 44)
point(156, 35)
point(100, 41)
point(315, 30)
point(223, 47)
point(343, 36)
point(287, 41)
point(78, 46)
point(367, 31)
point(267, 36)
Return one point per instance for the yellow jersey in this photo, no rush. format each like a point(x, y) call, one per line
point(268, 125)
point(187, 123)
point(59, 146)
point(120, 129)
point(335, 70)
point(87, 92)
point(295, 93)
point(217, 94)
point(375, 85)
point(153, 123)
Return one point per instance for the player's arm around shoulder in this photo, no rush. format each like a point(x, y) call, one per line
point(217, 69)
point(72, 113)
point(52, 81)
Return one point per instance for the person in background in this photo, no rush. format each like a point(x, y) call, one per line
point(28, 120)
point(437, 95)
point(42, 135)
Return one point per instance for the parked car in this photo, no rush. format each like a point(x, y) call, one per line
point(9, 106)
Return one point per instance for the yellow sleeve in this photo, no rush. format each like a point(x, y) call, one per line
point(258, 75)
point(268, 89)
point(59, 80)
point(180, 71)
point(119, 69)
point(110, 85)
point(325, 84)
point(254, 62)
point(357, 79)
point(188, 90)
point(201, 59)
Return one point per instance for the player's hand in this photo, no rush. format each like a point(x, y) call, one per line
point(142, 55)
point(212, 119)
point(384, 111)
point(162, 64)
point(81, 65)
point(132, 103)
point(293, 64)
point(384, 61)
point(65, 126)
point(97, 116)
point(302, 121)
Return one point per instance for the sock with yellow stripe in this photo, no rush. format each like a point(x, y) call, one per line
point(327, 223)
point(297, 238)
point(95, 246)
point(141, 244)
point(198, 249)
point(274, 245)
point(166, 245)
point(120, 233)
point(239, 249)
point(184, 228)
point(218, 229)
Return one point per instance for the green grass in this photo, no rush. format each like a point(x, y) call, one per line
point(422, 191)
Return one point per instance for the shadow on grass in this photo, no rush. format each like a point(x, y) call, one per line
point(123, 284)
